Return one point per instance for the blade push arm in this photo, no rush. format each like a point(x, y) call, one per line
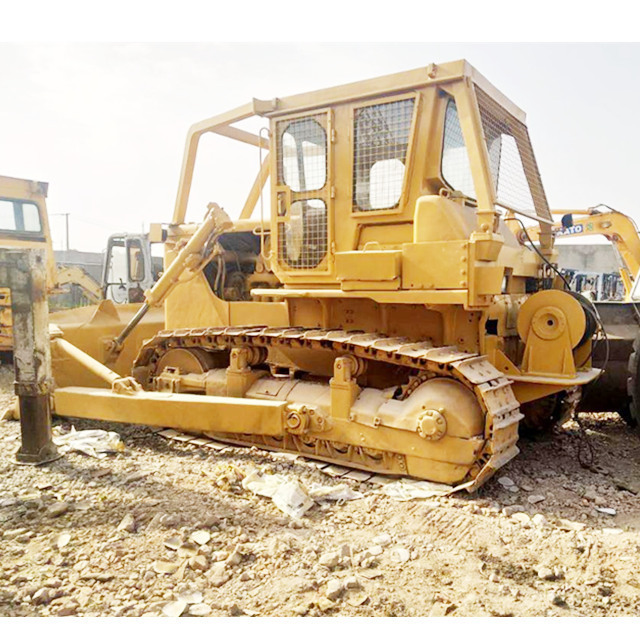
point(192, 258)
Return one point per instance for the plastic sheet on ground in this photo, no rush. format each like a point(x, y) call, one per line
point(291, 497)
point(96, 443)
point(407, 489)
point(335, 493)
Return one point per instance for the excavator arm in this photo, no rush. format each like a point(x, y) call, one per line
point(75, 275)
point(617, 227)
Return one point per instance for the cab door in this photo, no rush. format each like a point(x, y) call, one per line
point(303, 204)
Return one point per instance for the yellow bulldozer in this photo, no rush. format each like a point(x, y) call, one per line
point(387, 315)
point(128, 267)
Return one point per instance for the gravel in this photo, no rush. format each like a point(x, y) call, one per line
point(165, 529)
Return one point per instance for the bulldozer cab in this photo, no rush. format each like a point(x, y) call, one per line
point(365, 176)
point(129, 268)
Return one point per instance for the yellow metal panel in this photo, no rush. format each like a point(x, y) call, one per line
point(368, 265)
point(435, 265)
point(179, 411)
point(489, 279)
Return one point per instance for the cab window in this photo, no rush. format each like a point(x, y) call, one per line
point(19, 216)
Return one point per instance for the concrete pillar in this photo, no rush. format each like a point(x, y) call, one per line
point(24, 271)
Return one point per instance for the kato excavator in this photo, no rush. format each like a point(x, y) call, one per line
point(387, 315)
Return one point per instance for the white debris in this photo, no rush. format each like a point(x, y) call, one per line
point(608, 510)
point(201, 536)
point(539, 520)
point(400, 554)
point(63, 540)
point(407, 489)
point(174, 609)
point(286, 493)
point(291, 497)
point(384, 540)
point(96, 443)
point(338, 493)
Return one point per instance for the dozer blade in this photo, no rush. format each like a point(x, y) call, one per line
point(610, 391)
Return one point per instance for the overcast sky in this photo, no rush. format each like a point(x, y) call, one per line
point(105, 125)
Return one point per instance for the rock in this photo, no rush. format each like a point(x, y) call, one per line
point(246, 576)
point(539, 520)
point(345, 551)
point(535, 498)
point(235, 610)
point(556, 599)
point(53, 583)
point(218, 574)
point(375, 550)
point(200, 537)
point(513, 489)
point(219, 556)
point(198, 563)
point(334, 589)
point(155, 522)
point(352, 583)
point(522, 518)
point(511, 509)
point(400, 554)
point(199, 610)
point(163, 566)
point(43, 596)
point(191, 597)
point(170, 520)
point(494, 577)
point(187, 550)
point(329, 560)
point(324, 604)
point(526, 487)
point(235, 558)
point(440, 609)
point(173, 543)
point(545, 573)
point(383, 540)
point(606, 510)
point(300, 610)
point(58, 509)
point(127, 524)
point(136, 475)
point(358, 599)
point(506, 482)
point(370, 574)
point(63, 540)
point(174, 609)
point(10, 534)
point(68, 608)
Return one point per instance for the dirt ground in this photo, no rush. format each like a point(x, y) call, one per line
point(113, 537)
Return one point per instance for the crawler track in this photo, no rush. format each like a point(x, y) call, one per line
point(492, 389)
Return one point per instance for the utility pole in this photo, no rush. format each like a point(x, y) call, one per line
point(66, 225)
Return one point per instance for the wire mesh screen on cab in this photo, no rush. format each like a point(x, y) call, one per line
point(513, 166)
